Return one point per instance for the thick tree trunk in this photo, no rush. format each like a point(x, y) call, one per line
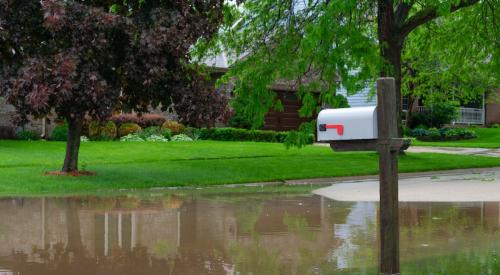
point(75, 243)
point(75, 125)
point(391, 46)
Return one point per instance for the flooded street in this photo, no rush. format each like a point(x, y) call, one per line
point(256, 233)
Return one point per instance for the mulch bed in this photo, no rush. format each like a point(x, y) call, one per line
point(70, 174)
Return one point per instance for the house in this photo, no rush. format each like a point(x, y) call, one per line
point(484, 111)
point(288, 118)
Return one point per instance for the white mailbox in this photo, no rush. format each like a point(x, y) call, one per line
point(347, 124)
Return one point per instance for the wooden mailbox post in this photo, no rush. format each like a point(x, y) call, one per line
point(387, 143)
point(388, 148)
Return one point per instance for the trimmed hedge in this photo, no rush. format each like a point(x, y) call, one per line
point(443, 134)
point(236, 134)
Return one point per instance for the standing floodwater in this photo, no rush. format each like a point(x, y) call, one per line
point(239, 234)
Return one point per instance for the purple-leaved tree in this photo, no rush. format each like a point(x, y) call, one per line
point(88, 58)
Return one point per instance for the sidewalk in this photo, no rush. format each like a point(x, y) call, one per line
point(470, 187)
point(455, 150)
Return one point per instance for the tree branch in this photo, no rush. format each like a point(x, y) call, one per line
point(401, 13)
point(429, 14)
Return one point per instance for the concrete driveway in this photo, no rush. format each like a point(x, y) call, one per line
point(455, 150)
point(469, 187)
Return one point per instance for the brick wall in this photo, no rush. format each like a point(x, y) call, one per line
point(8, 127)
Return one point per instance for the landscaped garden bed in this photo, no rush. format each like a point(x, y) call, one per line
point(443, 134)
point(486, 138)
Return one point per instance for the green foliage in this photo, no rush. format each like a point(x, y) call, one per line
point(60, 132)
point(320, 46)
point(235, 134)
point(150, 131)
point(305, 135)
point(128, 128)
point(131, 137)
point(436, 115)
point(193, 133)
point(28, 135)
point(486, 138)
point(181, 137)
point(453, 58)
point(108, 131)
point(166, 133)
point(174, 126)
point(102, 131)
point(153, 133)
point(240, 119)
point(444, 134)
point(495, 126)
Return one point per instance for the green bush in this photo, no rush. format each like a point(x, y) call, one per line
point(443, 134)
point(239, 118)
point(166, 133)
point(193, 133)
point(435, 116)
point(99, 131)
point(28, 135)
point(128, 128)
point(433, 133)
point(496, 125)
point(60, 132)
point(94, 130)
point(174, 126)
point(181, 137)
point(305, 135)
point(235, 134)
point(150, 131)
point(131, 137)
point(108, 131)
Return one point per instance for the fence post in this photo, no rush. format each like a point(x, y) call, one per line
point(387, 115)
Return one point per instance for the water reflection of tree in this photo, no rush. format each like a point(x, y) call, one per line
point(71, 257)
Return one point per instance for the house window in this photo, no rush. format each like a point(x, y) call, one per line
point(404, 103)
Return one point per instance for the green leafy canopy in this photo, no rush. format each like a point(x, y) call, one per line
point(322, 45)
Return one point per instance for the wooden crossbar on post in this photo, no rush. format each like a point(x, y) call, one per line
point(387, 116)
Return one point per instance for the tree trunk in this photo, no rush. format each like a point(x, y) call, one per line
point(391, 46)
point(75, 125)
point(75, 243)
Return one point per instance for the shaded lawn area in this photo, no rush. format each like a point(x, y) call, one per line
point(130, 165)
point(487, 138)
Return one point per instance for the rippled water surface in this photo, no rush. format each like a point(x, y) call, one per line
point(239, 234)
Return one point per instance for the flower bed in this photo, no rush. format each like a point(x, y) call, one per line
point(443, 134)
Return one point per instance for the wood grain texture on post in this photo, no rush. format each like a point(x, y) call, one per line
point(387, 117)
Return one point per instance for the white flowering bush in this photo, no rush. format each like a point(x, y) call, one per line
point(131, 137)
point(181, 137)
point(84, 139)
point(156, 138)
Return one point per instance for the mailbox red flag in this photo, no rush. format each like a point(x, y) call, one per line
point(338, 127)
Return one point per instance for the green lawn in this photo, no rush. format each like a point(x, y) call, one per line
point(140, 165)
point(487, 138)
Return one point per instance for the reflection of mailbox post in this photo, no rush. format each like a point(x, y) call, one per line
point(373, 129)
